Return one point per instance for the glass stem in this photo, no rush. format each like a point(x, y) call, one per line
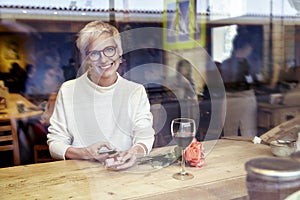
point(183, 162)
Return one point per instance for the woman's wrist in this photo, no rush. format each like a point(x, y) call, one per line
point(77, 153)
point(140, 149)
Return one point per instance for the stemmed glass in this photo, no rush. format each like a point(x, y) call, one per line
point(183, 131)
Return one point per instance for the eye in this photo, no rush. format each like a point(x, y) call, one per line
point(94, 53)
point(109, 50)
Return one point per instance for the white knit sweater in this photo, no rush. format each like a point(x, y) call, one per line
point(86, 113)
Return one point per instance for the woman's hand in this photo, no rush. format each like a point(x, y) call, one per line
point(89, 153)
point(126, 159)
point(94, 151)
point(123, 159)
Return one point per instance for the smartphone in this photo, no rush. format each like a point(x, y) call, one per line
point(107, 151)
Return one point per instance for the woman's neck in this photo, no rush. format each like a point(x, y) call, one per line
point(103, 81)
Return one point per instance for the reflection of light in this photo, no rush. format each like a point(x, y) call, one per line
point(24, 11)
point(83, 13)
point(55, 13)
point(295, 4)
point(227, 8)
point(13, 26)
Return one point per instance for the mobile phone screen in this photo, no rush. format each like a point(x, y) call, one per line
point(108, 151)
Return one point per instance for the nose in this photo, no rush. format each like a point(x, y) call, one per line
point(102, 57)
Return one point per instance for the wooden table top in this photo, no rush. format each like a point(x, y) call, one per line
point(263, 105)
point(12, 111)
point(222, 177)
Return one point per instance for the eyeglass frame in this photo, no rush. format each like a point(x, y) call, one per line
point(99, 52)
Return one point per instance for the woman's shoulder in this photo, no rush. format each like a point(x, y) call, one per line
point(68, 84)
point(130, 87)
point(130, 83)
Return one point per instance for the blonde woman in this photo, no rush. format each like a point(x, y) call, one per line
point(100, 110)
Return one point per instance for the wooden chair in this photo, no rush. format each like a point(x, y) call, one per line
point(9, 138)
point(42, 154)
point(41, 151)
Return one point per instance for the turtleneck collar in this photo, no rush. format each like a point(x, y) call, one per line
point(101, 88)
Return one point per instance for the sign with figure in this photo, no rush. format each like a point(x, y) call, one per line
point(181, 29)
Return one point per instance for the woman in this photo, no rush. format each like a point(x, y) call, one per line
point(185, 80)
point(100, 110)
point(182, 83)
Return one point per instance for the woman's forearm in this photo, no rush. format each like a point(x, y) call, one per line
point(77, 153)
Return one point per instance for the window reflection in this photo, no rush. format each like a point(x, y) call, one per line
point(41, 45)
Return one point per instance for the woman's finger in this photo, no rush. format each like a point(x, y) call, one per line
point(129, 163)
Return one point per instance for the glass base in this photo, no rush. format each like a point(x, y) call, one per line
point(185, 176)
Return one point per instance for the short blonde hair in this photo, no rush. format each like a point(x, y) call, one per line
point(92, 31)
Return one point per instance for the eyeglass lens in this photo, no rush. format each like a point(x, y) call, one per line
point(107, 51)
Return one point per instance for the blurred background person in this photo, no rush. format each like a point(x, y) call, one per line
point(239, 79)
point(182, 83)
point(17, 78)
point(31, 84)
point(52, 81)
point(49, 73)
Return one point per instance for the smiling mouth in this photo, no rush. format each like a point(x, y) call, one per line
point(105, 66)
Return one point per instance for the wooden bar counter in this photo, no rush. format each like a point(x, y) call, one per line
point(222, 177)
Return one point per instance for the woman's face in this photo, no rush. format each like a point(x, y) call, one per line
point(104, 65)
point(184, 71)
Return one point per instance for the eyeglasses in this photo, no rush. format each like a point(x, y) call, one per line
point(109, 51)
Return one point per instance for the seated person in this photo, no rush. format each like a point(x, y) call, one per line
point(100, 110)
point(182, 83)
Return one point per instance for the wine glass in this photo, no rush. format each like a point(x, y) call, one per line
point(183, 131)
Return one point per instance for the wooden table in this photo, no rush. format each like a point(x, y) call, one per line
point(12, 111)
point(222, 177)
point(12, 114)
point(271, 115)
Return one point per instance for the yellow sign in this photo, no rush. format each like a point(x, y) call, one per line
point(181, 29)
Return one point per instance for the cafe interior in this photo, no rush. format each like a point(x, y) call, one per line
point(38, 54)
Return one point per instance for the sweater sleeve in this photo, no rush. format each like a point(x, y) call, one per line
point(59, 140)
point(143, 131)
